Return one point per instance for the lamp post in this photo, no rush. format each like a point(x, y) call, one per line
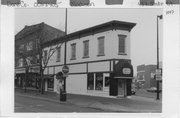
point(158, 17)
point(63, 93)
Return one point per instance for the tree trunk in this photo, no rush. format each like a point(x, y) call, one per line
point(42, 83)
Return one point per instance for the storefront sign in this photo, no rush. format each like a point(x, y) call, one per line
point(126, 71)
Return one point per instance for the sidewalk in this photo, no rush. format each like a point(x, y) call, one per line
point(133, 104)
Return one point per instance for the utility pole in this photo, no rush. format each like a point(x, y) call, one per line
point(65, 45)
point(65, 68)
point(158, 17)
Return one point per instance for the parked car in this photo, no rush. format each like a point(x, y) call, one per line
point(133, 91)
point(153, 89)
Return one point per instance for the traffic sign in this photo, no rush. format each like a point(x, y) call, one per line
point(158, 74)
point(65, 70)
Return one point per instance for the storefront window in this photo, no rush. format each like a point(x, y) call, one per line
point(107, 80)
point(50, 83)
point(99, 81)
point(90, 82)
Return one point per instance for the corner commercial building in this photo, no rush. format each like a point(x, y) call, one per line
point(99, 60)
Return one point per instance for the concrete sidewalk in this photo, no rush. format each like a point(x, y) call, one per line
point(132, 104)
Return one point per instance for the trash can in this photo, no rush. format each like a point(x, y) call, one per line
point(62, 95)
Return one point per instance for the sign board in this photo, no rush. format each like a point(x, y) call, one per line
point(126, 71)
point(65, 70)
point(158, 74)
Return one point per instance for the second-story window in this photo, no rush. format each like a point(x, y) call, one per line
point(86, 49)
point(58, 58)
point(29, 46)
point(101, 46)
point(122, 44)
point(73, 51)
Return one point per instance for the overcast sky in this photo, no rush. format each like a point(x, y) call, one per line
point(143, 35)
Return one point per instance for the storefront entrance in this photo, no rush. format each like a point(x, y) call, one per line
point(121, 79)
point(121, 87)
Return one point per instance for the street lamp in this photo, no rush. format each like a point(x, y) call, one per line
point(158, 17)
point(65, 69)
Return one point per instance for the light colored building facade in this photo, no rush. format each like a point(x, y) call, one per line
point(99, 60)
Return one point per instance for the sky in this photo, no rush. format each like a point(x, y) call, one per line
point(143, 35)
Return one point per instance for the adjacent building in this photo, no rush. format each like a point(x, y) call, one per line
point(99, 60)
point(146, 76)
point(27, 50)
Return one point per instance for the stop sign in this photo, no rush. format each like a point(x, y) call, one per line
point(65, 69)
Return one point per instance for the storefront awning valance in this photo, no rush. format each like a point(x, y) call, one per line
point(46, 77)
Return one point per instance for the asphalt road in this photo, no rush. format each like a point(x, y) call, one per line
point(144, 93)
point(26, 104)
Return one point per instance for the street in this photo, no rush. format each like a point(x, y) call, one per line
point(33, 101)
point(27, 104)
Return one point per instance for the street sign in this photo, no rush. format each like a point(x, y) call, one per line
point(158, 74)
point(65, 70)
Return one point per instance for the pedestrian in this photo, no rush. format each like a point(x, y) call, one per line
point(60, 86)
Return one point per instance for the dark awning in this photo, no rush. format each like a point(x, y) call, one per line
point(123, 69)
point(46, 77)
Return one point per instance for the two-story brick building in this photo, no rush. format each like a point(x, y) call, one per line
point(99, 60)
point(27, 50)
point(146, 76)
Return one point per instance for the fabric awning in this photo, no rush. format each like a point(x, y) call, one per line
point(123, 69)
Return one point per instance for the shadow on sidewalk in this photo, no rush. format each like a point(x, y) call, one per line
point(133, 104)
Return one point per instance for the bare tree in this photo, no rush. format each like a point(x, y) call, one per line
point(28, 58)
point(44, 60)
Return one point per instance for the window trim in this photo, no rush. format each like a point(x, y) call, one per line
point(125, 51)
point(98, 47)
point(85, 56)
point(73, 58)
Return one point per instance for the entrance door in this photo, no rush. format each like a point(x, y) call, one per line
point(120, 87)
